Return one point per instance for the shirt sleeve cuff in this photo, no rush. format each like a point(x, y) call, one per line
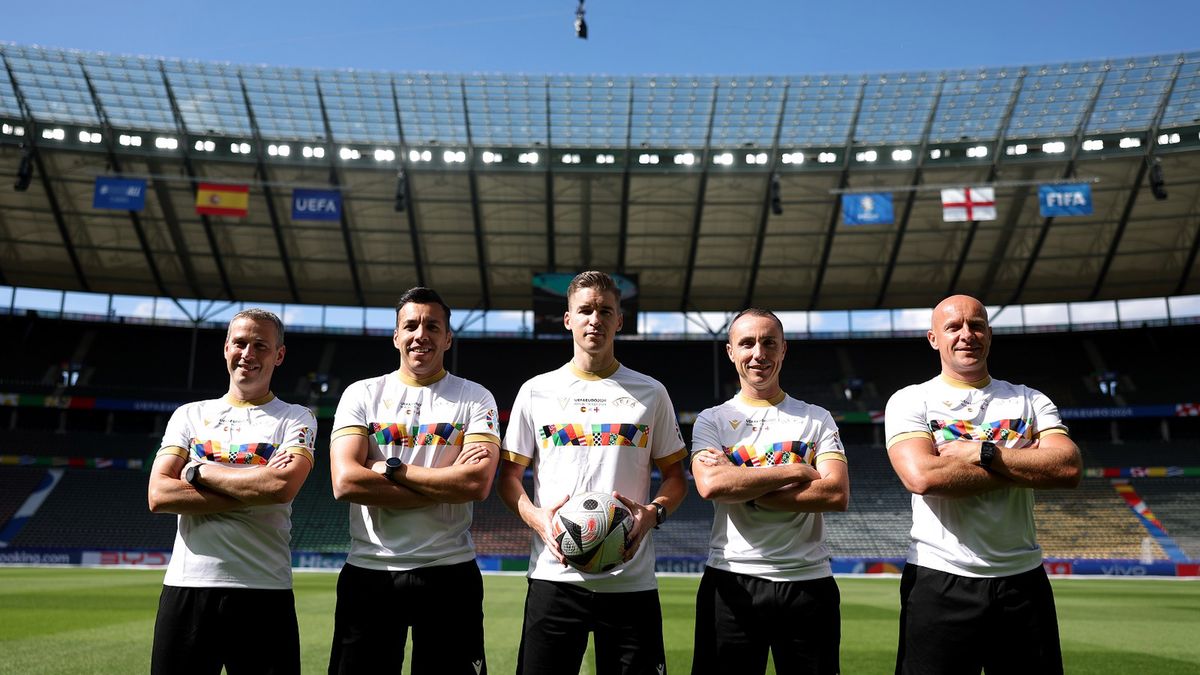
point(513, 457)
point(348, 431)
point(907, 435)
point(172, 450)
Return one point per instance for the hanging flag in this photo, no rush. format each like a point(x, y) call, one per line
point(963, 204)
point(122, 194)
point(215, 199)
point(1074, 199)
point(316, 204)
point(867, 208)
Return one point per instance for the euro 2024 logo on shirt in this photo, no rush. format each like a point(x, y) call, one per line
point(308, 438)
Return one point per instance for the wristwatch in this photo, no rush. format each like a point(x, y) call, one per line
point(987, 453)
point(393, 465)
point(192, 475)
point(660, 514)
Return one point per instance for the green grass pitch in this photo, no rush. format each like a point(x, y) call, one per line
point(67, 620)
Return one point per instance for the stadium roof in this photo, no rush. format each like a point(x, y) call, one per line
point(666, 178)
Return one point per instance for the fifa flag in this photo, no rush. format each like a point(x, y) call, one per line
point(867, 208)
point(121, 194)
point(1074, 199)
point(214, 199)
point(968, 203)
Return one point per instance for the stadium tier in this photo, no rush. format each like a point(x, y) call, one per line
point(105, 509)
point(714, 192)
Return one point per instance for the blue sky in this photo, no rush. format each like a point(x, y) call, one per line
point(626, 36)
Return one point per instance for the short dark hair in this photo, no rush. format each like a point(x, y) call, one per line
point(262, 316)
point(422, 296)
point(752, 311)
point(597, 281)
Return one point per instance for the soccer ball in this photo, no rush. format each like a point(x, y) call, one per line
point(591, 529)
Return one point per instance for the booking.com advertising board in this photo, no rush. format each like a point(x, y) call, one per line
point(669, 565)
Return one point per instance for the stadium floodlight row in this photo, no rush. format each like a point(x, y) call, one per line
point(715, 192)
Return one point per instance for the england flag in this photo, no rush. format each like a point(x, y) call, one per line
point(966, 204)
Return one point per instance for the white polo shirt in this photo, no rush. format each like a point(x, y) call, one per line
point(748, 539)
point(583, 432)
point(424, 423)
point(990, 534)
point(247, 547)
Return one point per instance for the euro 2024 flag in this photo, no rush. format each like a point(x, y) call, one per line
point(122, 194)
point(867, 208)
point(1073, 199)
point(968, 203)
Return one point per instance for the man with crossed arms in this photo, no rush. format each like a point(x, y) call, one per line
point(972, 450)
point(230, 468)
point(412, 449)
point(771, 464)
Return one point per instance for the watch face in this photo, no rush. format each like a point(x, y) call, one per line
point(394, 462)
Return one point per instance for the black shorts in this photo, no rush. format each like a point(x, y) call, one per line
point(375, 608)
point(246, 630)
point(740, 617)
point(950, 624)
point(559, 616)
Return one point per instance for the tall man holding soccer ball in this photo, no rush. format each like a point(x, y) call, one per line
point(592, 425)
point(771, 464)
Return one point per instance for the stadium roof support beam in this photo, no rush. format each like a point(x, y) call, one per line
point(698, 214)
point(31, 130)
point(409, 212)
point(997, 151)
point(185, 152)
point(476, 214)
point(1147, 159)
point(114, 163)
point(1068, 172)
point(336, 181)
point(765, 208)
point(836, 211)
point(268, 193)
point(550, 263)
point(1190, 262)
point(918, 172)
point(623, 226)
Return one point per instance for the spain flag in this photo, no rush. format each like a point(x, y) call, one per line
point(214, 199)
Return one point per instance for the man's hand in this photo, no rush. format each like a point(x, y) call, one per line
point(280, 460)
point(645, 518)
point(541, 520)
point(966, 452)
point(710, 457)
point(472, 454)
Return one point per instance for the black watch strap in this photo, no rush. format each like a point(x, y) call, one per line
point(987, 453)
point(660, 514)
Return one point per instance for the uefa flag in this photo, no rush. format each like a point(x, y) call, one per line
point(966, 204)
point(214, 199)
point(867, 208)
